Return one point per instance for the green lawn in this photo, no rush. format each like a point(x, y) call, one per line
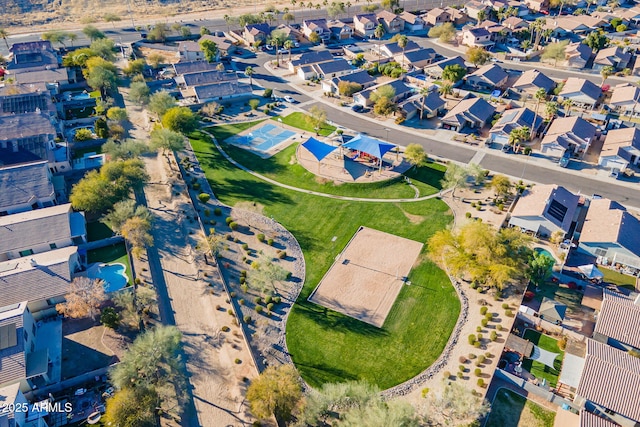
point(327, 346)
point(538, 369)
point(281, 168)
point(611, 276)
point(98, 230)
point(111, 254)
point(299, 120)
point(79, 152)
point(225, 131)
point(509, 409)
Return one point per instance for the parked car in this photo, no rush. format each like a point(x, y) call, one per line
point(357, 108)
point(615, 173)
point(283, 51)
point(289, 99)
point(268, 47)
point(219, 34)
point(564, 161)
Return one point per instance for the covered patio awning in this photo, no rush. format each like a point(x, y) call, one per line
point(372, 146)
point(591, 271)
point(319, 149)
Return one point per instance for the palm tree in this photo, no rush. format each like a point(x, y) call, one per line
point(567, 104)
point(379, 32)
point(402, 43)
point(606, 72)
point(424, 91)
point(4, 34)
point(72, 37)
point(228, 19)
point(550, 109)
point(348, 5)
point(540, 95)
point(249, 73)
point(288, 44)
point(445, 89)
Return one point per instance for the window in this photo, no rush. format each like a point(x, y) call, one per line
point(8, 336)
point(26, 253)
point(52, 245)
point(26, 335)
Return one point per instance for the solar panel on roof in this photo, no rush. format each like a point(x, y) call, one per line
point(557, 211)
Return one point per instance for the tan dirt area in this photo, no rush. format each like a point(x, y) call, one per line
point(367, 276)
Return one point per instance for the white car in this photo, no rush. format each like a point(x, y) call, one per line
point(289, 99)
point(268, 47)
point(283, 51)
point(296, 44)
point(615, 172)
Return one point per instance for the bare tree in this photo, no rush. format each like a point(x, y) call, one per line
point(84, 298)
point(455, 405)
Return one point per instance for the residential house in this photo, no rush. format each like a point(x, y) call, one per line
point(12, 397)
point(188, 80)
point(611, 57)
point(589, 419)
point(33, 232)
point(620, 149)
point(474, 7)
point(256, 33)
point(230, 89)
point(565, 25)
point(458, 16)
point(309, 58)
point(521, 9)
point(365, 24)
point(470, 112)
point(432, 104)
point(293, 33)
point(190, 51)
point(515, 24)
point(362, 77)
point(22, 363)
point(544, 209)
point(511, 120)
point(531, 81)
point(33, 56)
point(488, 78)
point(571, 135)
point(412, 23)
point(402, 91)
point(54, 79)
point(437, 16)
point(577, 55)
point(318, 26)
point(25, 187)
point(435, 70)
point(625, 98)
point(631, 15)
point(537, 5)
point(611, 232)
point(419, 58)
point(497, 32)
point(340, 30)
point(477, 37)
point(30, 137)
point(42, 279)
point(25, 98)
point(331, 69)
point(582, 92)
point(391, 22)
point(610, 384)
point(193, 67)
point(618, 321)
point(392, 49)
point(225, 46)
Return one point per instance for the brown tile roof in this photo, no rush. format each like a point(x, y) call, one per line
point(624, 93)
point(611, 378)
point(618, 138)
point(386, 16)
point(588, 419)
point(619, 319)
point(608, 222)
point(537, 200)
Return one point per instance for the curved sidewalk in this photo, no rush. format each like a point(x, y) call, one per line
point(317, 193)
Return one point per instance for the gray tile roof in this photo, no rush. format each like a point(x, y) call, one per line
point(313, 57)
point(587, 419)
point(18, 126)
point(534, 78)
point(541, 199)
point(207, 77)
point(27, 230)
point(193, 67)
point(493, 73)
point(60, 75)
point(471, 109)
point(395, 49)
point(335, 66)
point(448, 61)
point(432, 101)
point(48, 276)
point(575, 85)
point(13, 363)
point(360, 77)
point(619, 319)
point(611, 378)
point(19, 184)
point(514, 119)
point(420, 55)
point(216, 90)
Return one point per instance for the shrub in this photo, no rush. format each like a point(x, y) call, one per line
point(277, 300)
point(478, 328)
point(267, 93)
point(230, 312)
point(488, 316)
point(196, 186)
point(217, 211)
point(424, 392)
point(204, 197)
point(562, 342)
point(499, 327)
point(268, 299)
point(483, 310)
point(207, 212)
point(477, 372)
point(137, 281)
point(488, 355)
point(233, 294)
point(462, 359)
point(508, 313)
point(481, 358)
point(228, 220)
point(241, 301)
point(484, 322)
point(110, 318)
point(258, 309)
point(480, 382)
point(460, 375)
point(505, 306)
point(479, 337)
point(260, 237)
point(270, 306)
point(472, 339)
point(462, 368)
point(467, 215)
point(270, 242)
point(225, 329)
point(245, 246)
point(447, 375)
point(238, 361)
point(477, 344)
point(243, 280)
point(282, 254)
point(247, 319)
point(233, 225)
point(471, 356)
point(217, 306)
point(257, 300)
point(493, 336)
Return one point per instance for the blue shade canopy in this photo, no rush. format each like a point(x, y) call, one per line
point(372, 146)
point(319, 149)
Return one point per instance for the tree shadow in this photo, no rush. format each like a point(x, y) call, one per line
point(329, 319)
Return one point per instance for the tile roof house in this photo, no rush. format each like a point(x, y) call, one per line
point(225, 46)
point(193, 67)
point(537, 5)
point(365, 24)
point(254, 33)
point(437, 16)
point(25, 98)
point(511, 120)
point(391, 49)
point(544, 209)
point(577, 55)
point(435, 70)
point(514, 24)
point(610, 384)
point(53, 79)
point(27, 137)
point(19, 359)
point(610, 232)
point(340, 30)
point(568, 134)
point(219, 91)
point(477, 37)
point(25, 187)
point(432, 104)
point(42, 279)
point(488, 77)
point(391, 22)
point(33, 56)
point(531, 81)
point(318, 26)
point(330, 69)
point(402, 91)
point(473, 8)
point(310, 58)
point(618, 323)
point(621, 148)
point(204, 77)
point(190, 51)
point(412, 22)
point(419, 58)
point(612, 56)
point(458, 16)
point(581, 92)
point(32, 232)
point(362, 78)
point(625, 99)
point(470, 112)
point(589, 419)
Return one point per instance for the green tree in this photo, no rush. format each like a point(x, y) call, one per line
point(402, 44)
point(166, 140)
point(123, 211)
point(478, 56)
point(335, 9)
point(555, 51)
point(254, 103)
point(78, 58)
point(596, 40)
point(110, 318)
point(454, 405)
point(519, 135)
point(540, 268)
point(445, 89)
point(210, 49)
point(289, 44)
point(117, 114)
point(317, 117)
point(390, 4)
point(384, 106)
point(129, 149)
point(276, 391)
point(100, 74)
point(139, 93)
point(137, 231)
point(379, 31)
point(83, 134)
point(477, 173)
point(550, 109)
point(180, 119)
point(111, 17)
point(134, 67)
point(159, 32)
point(386, 91)
point(454, 177)
point(92, 33)
point(453, 73)
point(132, 408)
point(501, 185)
point(4, 34)
point(277, 39)
point(155, 60)
point(567, 104)
point(444, 32)
point(267, 275)
point(102, 129)
point(104, 49)
point(212, 244)
point(288, 17)
point(249, 73)
point(346, 88)
point(606, 72)
point(415, 154)
point(160, 102)
point(540, 95)
point(55, 37)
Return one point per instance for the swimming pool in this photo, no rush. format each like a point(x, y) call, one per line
point(545, 252)
point(262, 139)
point(113, 275)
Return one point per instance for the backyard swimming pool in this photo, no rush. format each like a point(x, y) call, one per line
point(263, 138)
point(113, 275)
point(545, 252)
